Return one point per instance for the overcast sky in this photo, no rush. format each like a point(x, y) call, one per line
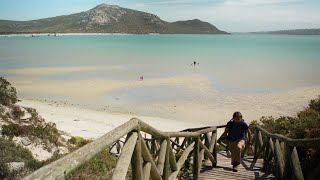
point(228, 15)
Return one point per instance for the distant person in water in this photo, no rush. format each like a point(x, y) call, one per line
point(235, 132)
point(194, 63)
point(141, 78)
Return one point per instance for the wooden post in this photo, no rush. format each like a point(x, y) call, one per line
point(148, 157)
point(173, 162)
point(201, 156)
point(279, 159)
point(167, 161)
point(260, 140)
point(137, 161)
point(256, 142)
point(266, 154)
point(296, 165)
point(215, 151)
point(162, 156)
point(122, 166)
point(207, 143)
point(146, 171)
point(196, 158)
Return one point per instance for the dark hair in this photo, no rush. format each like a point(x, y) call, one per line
point(237, 113)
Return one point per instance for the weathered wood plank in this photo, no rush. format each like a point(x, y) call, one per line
point(151, 130)
point(181, 161)
point(291, 142)
point(166, 169)
point(148, 158)
point(256, 139)
point(196, 158)
point(137, 161)
point(172, 160)
point(297, 171)
point(207, 152)
point(249, 169)
point(162, 156)
point(183, 134)
point(279, 159)
point(123, 163)
point(146, 171)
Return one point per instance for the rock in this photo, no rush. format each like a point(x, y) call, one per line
point(66, 137)
point(63, 150)
point(15, 166)
point(25, 141)
point(26, 115)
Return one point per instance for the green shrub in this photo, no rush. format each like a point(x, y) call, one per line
point(17, 112)
point(8, 94)
point(10, 152)
point(4, 171)
point(79, 141)
point(305, 125)
point(98, 167)
point(14, 130)
point(47, 132)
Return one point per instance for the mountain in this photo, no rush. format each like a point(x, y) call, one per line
point(108, 19)
point(293, 32)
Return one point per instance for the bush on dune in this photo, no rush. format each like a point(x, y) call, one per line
point(305, 125)
point(8, 94)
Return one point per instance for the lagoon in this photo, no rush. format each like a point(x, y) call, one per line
point(104, 70)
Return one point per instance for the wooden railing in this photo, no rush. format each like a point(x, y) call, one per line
point(153, 157)
point(282, 152)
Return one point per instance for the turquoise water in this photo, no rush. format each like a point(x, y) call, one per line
point(233, 63)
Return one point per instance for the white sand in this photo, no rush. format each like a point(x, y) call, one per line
point(93, 124)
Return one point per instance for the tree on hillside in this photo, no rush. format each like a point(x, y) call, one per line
point(8, 94)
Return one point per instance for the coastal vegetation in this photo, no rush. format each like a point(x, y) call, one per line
point(8, 94)
point(26, 123)
point(306, 124)
point(24, 135)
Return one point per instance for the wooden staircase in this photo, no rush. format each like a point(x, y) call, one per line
point(162, 155)
point(249, 168)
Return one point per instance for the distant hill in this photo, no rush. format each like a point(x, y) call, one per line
point(293, 32)
point(108, 19)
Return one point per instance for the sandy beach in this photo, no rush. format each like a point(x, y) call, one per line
point(94, 121)
point(91, 124)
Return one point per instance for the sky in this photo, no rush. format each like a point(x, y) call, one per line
point(227, 15)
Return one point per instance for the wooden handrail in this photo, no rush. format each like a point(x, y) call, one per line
point(283, 150)
point(147, 160)
point(156, 157)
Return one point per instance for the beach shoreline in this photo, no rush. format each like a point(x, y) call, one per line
point(92, 124)
point(64, 34)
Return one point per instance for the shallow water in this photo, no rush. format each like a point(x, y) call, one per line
point(244, 63)
point(228, 64)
